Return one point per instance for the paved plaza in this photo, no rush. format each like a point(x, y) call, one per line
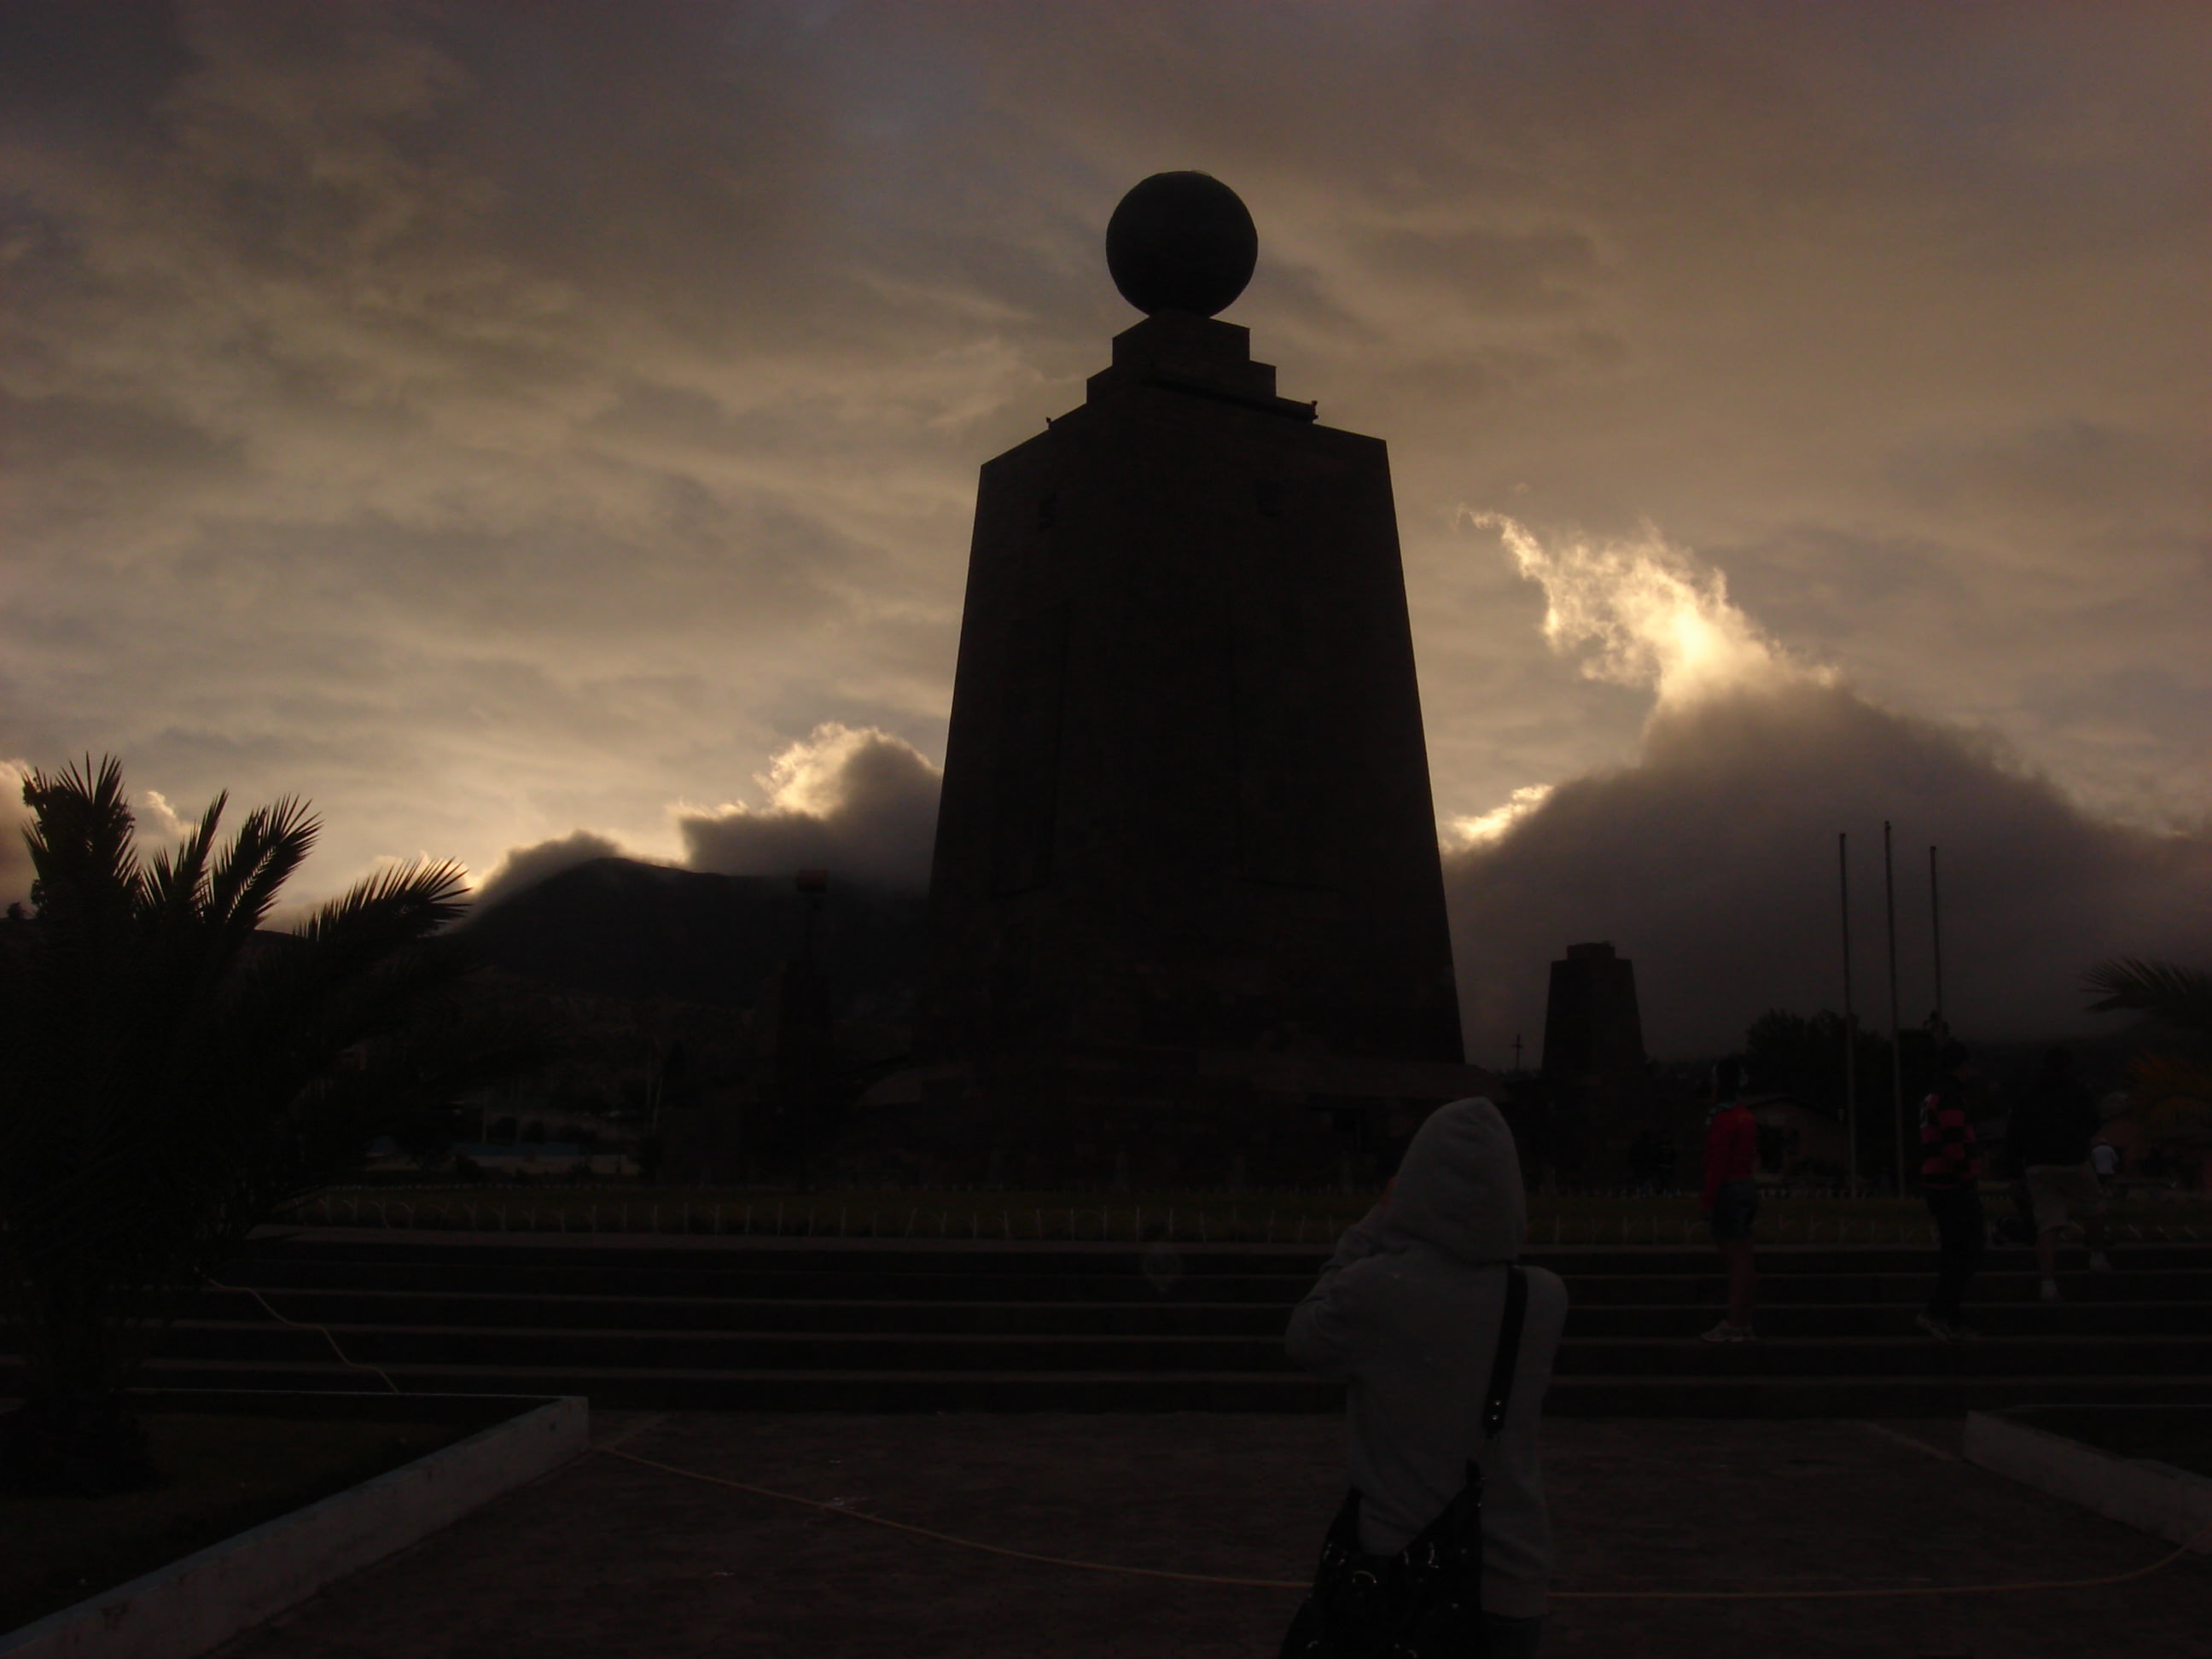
point(608, 1558)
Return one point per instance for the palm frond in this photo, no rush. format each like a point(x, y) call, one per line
point(404, 902)
point(80, 840)
point(176, 888)
point(2180, 996)
point(269, 847)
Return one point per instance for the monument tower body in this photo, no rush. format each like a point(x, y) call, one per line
point(1185, 877)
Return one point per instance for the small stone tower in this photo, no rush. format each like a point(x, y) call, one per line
point(1592, 1032)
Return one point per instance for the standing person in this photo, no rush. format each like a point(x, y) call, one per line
point(2052, 1128)
point(2105, 1159)
point(1950, 1180)
point(1411, 1310)
point(1730, 1199)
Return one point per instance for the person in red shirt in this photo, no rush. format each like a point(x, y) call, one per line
point(1730, 1200)
point(1951, 1182)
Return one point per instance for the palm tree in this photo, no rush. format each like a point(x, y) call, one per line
point(173, 1075)
point(2180, 996)
point(2176, 1089)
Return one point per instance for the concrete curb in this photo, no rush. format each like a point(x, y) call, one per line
point(2158, 1498)
point(191, 1606)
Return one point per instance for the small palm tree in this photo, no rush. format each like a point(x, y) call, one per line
point(2176, 1090)
point(172, 1075)
point(2180, 996)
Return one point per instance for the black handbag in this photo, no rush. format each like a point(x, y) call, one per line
point(1425, 1601)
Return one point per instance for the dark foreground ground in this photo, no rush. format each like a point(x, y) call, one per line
point(607, 1558)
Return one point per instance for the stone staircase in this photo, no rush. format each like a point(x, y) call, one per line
point(871, 1325)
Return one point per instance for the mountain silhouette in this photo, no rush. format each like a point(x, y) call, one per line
point(619, 927)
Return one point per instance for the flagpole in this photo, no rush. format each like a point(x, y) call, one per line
point(1896, 1043)
point(1851, 1019)
point(1935, 919)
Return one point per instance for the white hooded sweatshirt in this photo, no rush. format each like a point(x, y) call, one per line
point(1408, 1311)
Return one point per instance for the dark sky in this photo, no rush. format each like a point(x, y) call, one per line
point(557, 423)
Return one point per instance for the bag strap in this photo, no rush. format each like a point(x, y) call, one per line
point(1509, 1352)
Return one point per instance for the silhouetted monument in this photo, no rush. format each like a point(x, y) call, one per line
point(1592, 1031)
point(1596, 1100)
point(1186, 878)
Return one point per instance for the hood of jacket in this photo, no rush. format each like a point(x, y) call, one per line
point(1459, 1186)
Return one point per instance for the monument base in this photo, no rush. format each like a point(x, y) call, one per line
point(1151, 1117)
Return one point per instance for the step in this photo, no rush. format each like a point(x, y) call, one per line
point(1111, 1259)
point(852, 1325)
point(1278, 1291)
point(1677, 1354)
point(736, 1351)
point(1149, 1316)
point(1899, 1355)
point(1876, 1396)
point(2170, 1285)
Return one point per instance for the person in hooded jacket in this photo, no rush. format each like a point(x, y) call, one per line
point(1408, 1311)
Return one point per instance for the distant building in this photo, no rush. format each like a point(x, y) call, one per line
point(1596, 1108)
point(1592, 1030)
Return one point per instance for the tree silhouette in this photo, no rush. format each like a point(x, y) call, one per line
point(173, 1075)
point(2175, 1089)
point(2180, 996)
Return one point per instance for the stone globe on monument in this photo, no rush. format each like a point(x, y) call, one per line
point(1186, 909)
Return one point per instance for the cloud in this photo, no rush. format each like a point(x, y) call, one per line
point(542, 413)
point(1642, 613)
point(162, 818)
point(859, 803)
point(526, 866)
point(1485, 828)
point(15, 871)
point(1711, 859)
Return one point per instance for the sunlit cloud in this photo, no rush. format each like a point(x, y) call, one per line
point(526, 866)
point(1482, 828)
point(161, 818)
point(1645, 613)
point(855, 800)
point(15, 873)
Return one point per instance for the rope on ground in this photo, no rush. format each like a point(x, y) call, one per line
point(945, 1537)
point(247, 1290)
point(2202, 1537)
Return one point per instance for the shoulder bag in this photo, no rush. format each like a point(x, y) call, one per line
point(1425, 1601)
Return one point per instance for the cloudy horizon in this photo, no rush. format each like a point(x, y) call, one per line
point(532, 433)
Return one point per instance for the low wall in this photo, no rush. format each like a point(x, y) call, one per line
point(2170, 1503)
point(191, 1606)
